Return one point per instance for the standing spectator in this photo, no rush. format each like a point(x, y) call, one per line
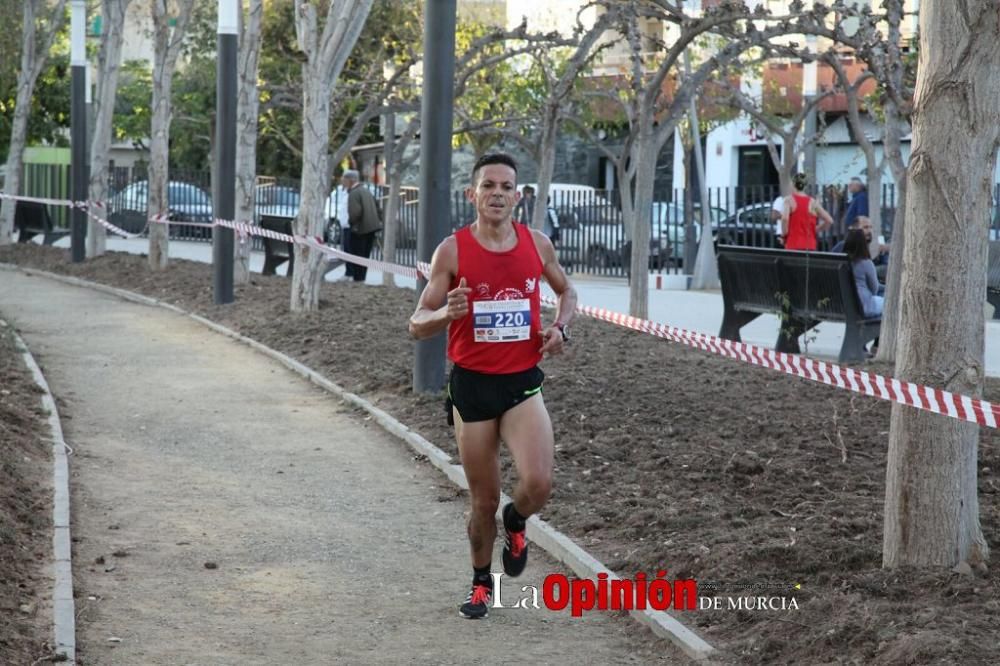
point(526, 206)
point(798, 217)
point(869, 290)
point(336, 207)
point(364, 218)
point(859, 201)
point(777, 207)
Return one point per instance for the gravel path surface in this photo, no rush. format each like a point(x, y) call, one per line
point(227, 512)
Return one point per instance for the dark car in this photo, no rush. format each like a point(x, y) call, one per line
point(750, 226)
point(186, 203)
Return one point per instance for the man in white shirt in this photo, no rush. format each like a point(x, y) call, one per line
point(336, 209)
point(777, 208)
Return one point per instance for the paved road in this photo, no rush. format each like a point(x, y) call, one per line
point(332, 545)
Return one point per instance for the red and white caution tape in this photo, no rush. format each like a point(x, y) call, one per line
point(929, 399)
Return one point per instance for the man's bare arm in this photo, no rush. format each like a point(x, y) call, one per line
point(820, 212)
point(552, 338)
point(786, 211)
point(438, 306)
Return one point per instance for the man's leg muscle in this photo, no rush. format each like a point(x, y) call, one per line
point(527, 431)
point(478, 447)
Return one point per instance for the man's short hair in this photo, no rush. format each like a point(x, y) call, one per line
point(352, 174)
point(857, 179)
point(492, 158)
point(527, 188)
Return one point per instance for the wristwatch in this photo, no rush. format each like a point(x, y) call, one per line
point(563, 330)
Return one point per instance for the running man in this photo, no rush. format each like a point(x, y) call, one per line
point(484, 288)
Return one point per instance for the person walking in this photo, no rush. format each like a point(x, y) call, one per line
point(364, 220)
point(799, 215)
point(858, 206)
point(484, 288)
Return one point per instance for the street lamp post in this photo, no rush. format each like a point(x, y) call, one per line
point(225, 132)
point(436, 115)
point(78, 129)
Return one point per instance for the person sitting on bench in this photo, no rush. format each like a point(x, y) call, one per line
point(869, 290)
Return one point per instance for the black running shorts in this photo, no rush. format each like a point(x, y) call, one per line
point(482, 397)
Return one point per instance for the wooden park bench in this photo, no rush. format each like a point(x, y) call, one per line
point(801, 288)
point(32, 218)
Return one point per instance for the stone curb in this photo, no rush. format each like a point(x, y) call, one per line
point(557, 544)
point(63, 606)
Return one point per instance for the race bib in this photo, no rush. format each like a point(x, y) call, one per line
point(501, 321)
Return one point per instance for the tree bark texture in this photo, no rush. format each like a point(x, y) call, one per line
point(897, 250)
point(326, 51)
point(109, 62)
point(167, 42)
point(247, 107)
point(35, 46)
point(931, 506)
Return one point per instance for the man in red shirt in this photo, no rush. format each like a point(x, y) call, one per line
point(484, 288)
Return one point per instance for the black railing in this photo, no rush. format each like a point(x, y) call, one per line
point(591, 236)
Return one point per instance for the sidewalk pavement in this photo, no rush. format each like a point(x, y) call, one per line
point(692, 310)
point(226, 511)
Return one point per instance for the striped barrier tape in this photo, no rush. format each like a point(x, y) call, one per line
point(937, 401)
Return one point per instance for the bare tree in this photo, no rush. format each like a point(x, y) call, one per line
point(873, 166)
point(653, 118)
point(560, 85)
point(167, 42)
point(108, 64)
point(790, 130)
point(247, 105)
point(325, 50)
point(931, 502)
point(41, 22)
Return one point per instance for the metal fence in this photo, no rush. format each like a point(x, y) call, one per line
point(590, 237)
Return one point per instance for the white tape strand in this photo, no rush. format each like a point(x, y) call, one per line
point(925, 398)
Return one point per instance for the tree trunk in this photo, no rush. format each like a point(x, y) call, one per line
point(109, 63)
point(325, 52)
point(15, 155)
point(897, 248)
point(157, 173)
point(390, 212)
point(34, 54)
point(307, 274)
point(638, 302)
point(931, 505)
point(546, 163)
point(706, 269)
point(167, 42)
point(247, 106)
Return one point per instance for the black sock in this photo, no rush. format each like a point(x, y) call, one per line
point(512, 520)
point(481, 575)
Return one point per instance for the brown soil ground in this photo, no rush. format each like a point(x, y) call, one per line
point(25, 512)
point(668, 458)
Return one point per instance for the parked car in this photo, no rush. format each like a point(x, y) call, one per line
point(749, 226)
point(603, 245)
point(276, 201)
point(185, 202)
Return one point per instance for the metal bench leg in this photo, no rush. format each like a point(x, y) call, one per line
point(853, 348)
point(270, 264)
point(993, 297)
point(733, 321)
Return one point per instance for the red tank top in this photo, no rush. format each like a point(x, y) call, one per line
point(801, 226)
point(500, 334)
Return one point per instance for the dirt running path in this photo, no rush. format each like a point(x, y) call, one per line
point(332, 545)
